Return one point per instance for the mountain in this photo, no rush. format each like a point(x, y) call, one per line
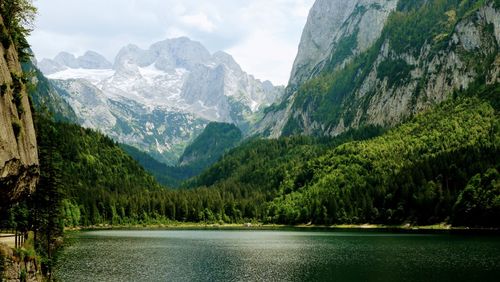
point(436, 163)
point(64, 61)
point(378, 62)
point(159, 99)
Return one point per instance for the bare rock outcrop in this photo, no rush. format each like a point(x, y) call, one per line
point(19, 168)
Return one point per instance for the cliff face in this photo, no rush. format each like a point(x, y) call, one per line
point(330, 22)
point(370, 62)
point(19, 169)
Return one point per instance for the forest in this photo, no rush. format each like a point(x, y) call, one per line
point(441, 166)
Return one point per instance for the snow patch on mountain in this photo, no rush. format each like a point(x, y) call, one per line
point(178, 78)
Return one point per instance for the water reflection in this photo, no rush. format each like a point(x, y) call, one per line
point(278, 256)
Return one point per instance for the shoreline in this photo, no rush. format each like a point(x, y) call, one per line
point(438, 228)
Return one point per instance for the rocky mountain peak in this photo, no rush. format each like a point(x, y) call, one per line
point(93, 60)
point(325, 19)
point(176, 80)
point(224, 58)
point(357, 65)
point(338, 29)
point(66, 59)
point(180, 52)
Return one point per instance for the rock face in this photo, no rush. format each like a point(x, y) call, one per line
point(161, 98)
point(19, 170)
point(12, 267)
point(330, 22)
point(353, 70)
point(45, 97)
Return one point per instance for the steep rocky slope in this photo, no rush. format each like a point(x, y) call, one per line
point(331, 26)
point(378, 62)
point(19, 169)
point(45, 97)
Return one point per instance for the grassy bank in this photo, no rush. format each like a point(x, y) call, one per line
point(406, 228)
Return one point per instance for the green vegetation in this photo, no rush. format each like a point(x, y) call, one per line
point(166, 175)
point(439, 167)
point(479, 202)
point(95, 173)
point(345, 48)
point(3, 89)
point(413, 173)
point(18, 17)
point(394, 70)
point(16, 127)
point(264, 163)
point(211, 144)
point(17, 84)
point(205, 150)
point(5, 38)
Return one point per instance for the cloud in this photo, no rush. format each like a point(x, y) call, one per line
point(274, 54)
point(262, 35)
point(200, 21)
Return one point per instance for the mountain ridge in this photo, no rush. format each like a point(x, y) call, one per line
point(177, 78)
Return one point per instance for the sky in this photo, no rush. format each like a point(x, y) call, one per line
point(262, 35)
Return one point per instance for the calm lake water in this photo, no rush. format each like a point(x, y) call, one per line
point(278, 256)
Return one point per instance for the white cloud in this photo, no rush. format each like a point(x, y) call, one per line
point(200, 21)
point(262, 35)
point(275, 57)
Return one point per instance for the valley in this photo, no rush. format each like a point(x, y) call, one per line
point(390, 118)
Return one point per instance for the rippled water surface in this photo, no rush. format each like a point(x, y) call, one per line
point(278, 256)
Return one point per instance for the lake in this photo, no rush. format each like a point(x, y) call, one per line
point(278, 256)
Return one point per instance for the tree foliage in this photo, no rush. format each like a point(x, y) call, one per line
point(18, 19)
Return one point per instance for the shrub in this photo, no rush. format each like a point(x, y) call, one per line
point(5, 38)
point(16, 126)
point(3, 89)
point(18, 92)
point(2, 262)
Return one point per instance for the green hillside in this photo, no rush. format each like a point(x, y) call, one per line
point(212, 143)
point(414, 173)
point(206, 149)
point(92, 172)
